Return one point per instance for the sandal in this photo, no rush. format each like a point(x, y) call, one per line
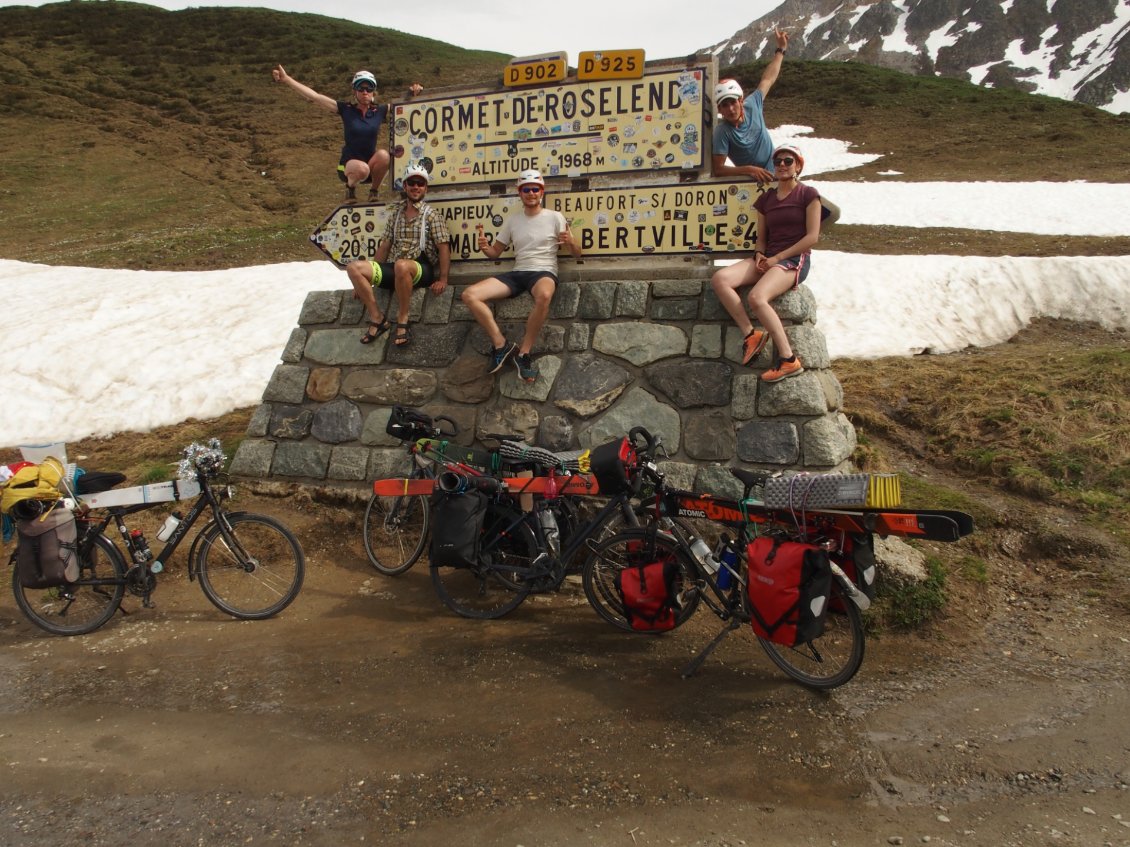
point(402, 335)
point(381, 328)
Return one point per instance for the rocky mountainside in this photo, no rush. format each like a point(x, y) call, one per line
point(1072, 49)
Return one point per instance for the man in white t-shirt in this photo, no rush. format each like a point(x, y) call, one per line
point(536, 235)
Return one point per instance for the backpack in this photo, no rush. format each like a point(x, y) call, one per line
point(47, 550)
point(457, 528)
point(789, 584)
point(648, 594)
point(32, 489)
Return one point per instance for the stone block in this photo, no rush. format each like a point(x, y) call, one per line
point(769, 443)
point(692, 384)
point(337, 422)
point(631, 299)
point(587, 385)
point(320, 307)
point(350, 464)
point(514, 388)
point(253, 458)
point(287, 384)
point(295, 344)
point(324, 384)
point(639, 343)
point(301, 459)
point(292, 422)
point(343, 347)
point(706, 341)
point(407, 386)
point(709, 436)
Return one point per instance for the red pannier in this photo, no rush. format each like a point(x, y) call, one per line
point(648, 594)
point(789, 584)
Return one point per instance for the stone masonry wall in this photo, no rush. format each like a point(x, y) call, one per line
point(624, 346)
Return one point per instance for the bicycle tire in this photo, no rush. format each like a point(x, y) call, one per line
point(625, 549)
point(259, 579)
point(80, 607)
point(395, 530)
point(834, 657)
point(502, 579)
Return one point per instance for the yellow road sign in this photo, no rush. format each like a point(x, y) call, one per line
point(536, 70)
point(610, 64)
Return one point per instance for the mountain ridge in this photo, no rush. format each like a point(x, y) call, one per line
point(1077, 50)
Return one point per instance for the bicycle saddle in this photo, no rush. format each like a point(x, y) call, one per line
point(93, 482)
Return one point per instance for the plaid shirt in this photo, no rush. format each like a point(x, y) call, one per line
point(404, 236)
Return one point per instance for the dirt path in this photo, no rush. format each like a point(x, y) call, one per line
point(367, 713)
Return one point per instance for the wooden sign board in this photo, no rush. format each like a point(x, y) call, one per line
point(573, 129)
point(715, 217)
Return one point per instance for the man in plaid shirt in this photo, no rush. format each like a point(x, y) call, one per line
point(414, 251)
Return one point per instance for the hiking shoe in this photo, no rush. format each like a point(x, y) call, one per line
point(351, 194)
point(783, 369)
point(499, 356)
point(753, 344)
point(372, 195)
point(527, 370)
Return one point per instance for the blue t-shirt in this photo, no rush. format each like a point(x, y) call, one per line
point(360, 130)
point(748, 143)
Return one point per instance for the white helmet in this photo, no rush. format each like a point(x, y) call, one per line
point(416, 169)
point(364, 76)
point(531, 177)
point(727, 89)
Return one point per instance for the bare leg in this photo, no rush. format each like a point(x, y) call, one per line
point(542, 292)
point(360, 273)
point(726, 282)
point(356, 171)
point(378, 167)
point(774, 283)
point(405, 271)
point(477, 299)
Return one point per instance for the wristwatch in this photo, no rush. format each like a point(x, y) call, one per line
point(780, 50)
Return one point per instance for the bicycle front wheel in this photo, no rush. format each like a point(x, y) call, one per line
point(395, 529)
point(255, 571)
point(833, 658)
point(81, 606)
point(503, 576)
point(632, 547)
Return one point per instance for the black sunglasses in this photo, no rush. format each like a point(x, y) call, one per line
point(415, 183)
point(368, 89)
point(784, 160)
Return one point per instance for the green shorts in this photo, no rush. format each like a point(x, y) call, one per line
point(383, 274)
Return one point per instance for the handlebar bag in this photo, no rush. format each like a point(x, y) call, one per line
point(612, 464)
point(789, 584)
point(47, 550)
point(457, 528)
point(648, 594)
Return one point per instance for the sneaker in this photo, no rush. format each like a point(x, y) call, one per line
point(372, 195)
point(753, 344)
point(527, 370)
point(351, 194)
point(783, 369)
point(498, 357)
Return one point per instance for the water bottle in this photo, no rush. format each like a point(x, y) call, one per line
point(549, 527)
point(729, 568)
point(169, 527)
point(702, 552)
point(141, 551)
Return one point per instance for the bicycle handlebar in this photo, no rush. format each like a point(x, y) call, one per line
point(651, 442)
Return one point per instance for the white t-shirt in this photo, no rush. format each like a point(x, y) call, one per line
point(534, 239)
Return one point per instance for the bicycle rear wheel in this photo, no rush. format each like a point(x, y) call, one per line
point(82, 606)
point(256, 574)
point(833, 658)
point(629, 548)
point(503, 576)
point(395, 529)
